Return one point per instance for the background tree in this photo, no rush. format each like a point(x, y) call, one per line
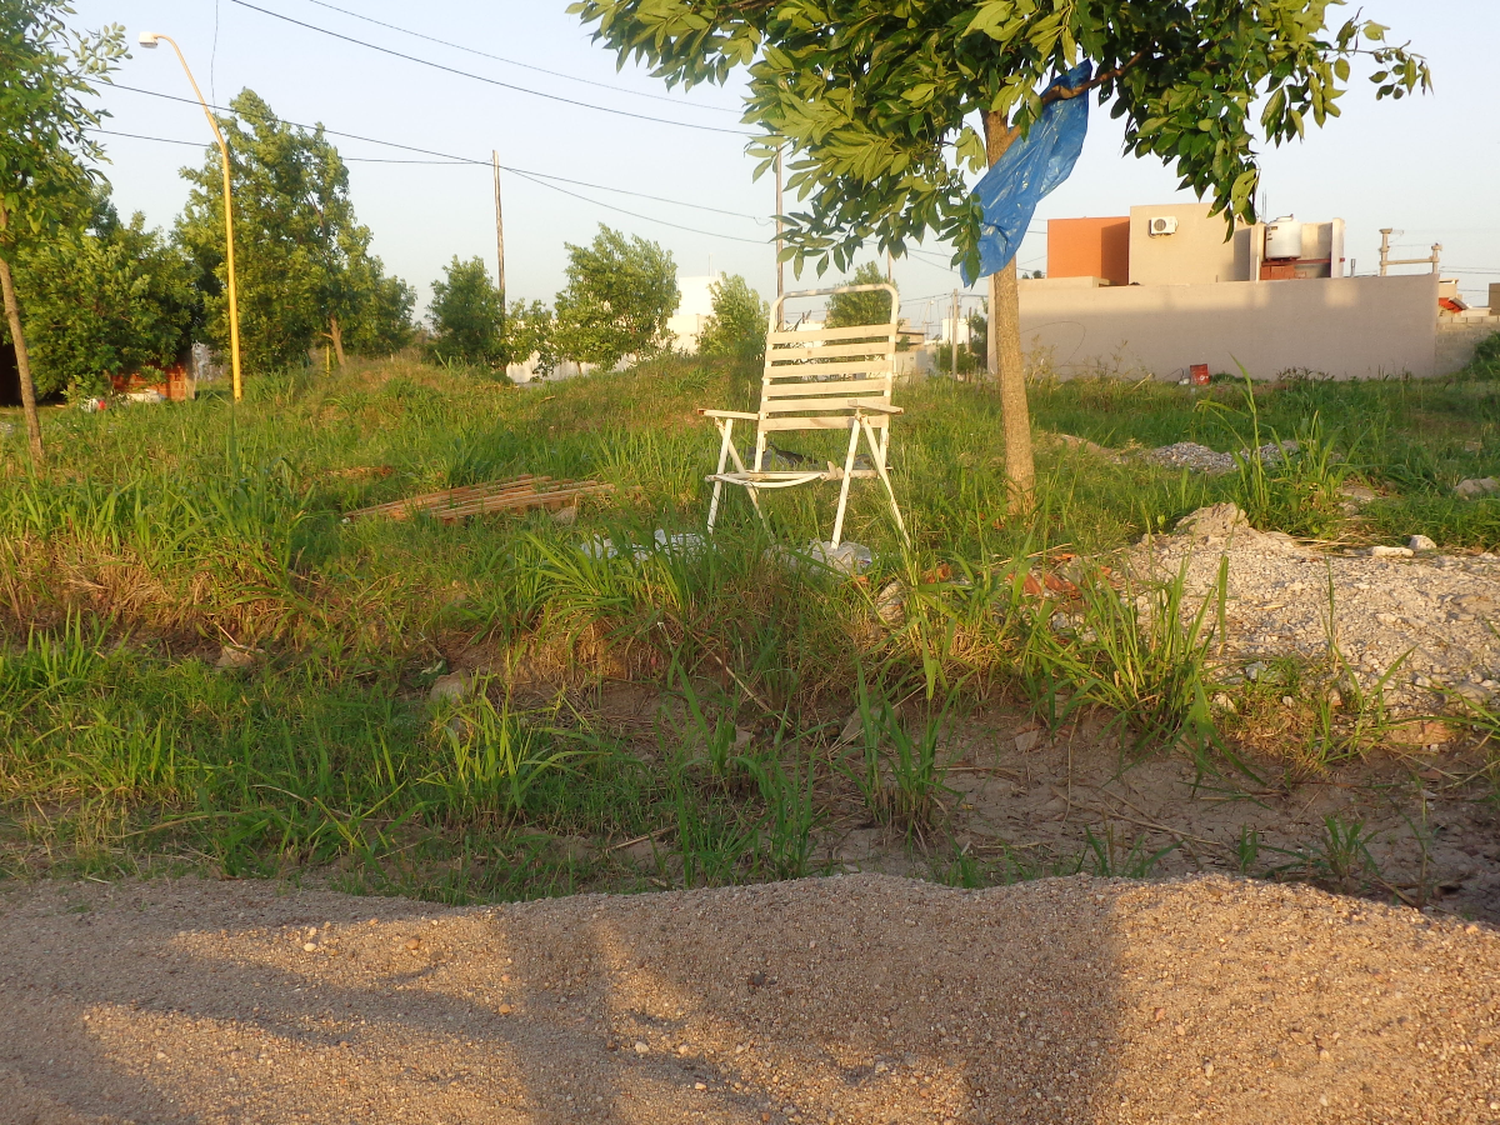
point(468, 315)
point(885, 104)
point(737, 328)
point(620, 295)
point(379, 320)
point(45, 73)
point(304, 263)
point(529, 336)
point(874, 307)
point(110, 298)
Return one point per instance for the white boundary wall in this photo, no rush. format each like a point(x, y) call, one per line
point(1349, 327)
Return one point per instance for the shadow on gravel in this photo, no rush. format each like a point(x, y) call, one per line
point(865, 1000)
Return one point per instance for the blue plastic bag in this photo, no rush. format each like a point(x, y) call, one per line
point(1030, 169)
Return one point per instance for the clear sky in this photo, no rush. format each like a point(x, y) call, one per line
point(1429, 167)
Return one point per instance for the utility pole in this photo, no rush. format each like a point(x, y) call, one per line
point(953, 339)
point(780, 274)
point(499, 229)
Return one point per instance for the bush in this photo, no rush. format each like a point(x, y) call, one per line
point(848, 309)
point(620, 294)
point(468, 315)
point(737, 329)
point(111, 299)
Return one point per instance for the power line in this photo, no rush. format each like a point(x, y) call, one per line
point(446, 158)
point(523, 66)
point(346, 159)
point(487, 80)
point(538, 178)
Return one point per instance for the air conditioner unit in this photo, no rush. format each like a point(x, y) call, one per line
point(1162, 224)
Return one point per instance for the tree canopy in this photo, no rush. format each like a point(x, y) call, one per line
point(468, 315)
point(877, 99)
point(303, 260)
point(737, 328)
point(104, 298)
point(621, 292)
point(46, 71)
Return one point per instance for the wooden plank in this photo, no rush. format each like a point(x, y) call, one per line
point(427, 499)
point(831, 422)
point(846, 387)
point(879, 348)
point(857, 332)
point(556, 498)
point(400, 509)
point(459, 503)
point(817, 370)
point(818, 405)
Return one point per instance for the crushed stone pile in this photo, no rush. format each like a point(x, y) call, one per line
point(1202, 459)
point(863, 999)
point(1433, 613)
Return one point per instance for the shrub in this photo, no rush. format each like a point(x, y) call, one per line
point(468, 315)
point(737, 329)
point(620, 294)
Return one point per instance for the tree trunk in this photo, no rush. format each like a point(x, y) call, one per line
point(23, 364)
point(336, 334)
point(1005, 352)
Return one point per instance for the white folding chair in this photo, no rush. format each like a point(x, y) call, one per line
point(818, 379)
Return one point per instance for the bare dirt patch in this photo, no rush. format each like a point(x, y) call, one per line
point(857, 999)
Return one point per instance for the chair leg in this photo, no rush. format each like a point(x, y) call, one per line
point(885, 479)
point(838, 520)
point(726, 428)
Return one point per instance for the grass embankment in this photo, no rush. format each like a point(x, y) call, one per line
point(160, 535)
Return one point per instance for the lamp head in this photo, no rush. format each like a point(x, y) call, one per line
point(149, 39)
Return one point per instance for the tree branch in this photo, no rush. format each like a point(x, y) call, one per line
point(1066, 93)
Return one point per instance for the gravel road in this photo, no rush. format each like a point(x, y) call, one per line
point(863, 999)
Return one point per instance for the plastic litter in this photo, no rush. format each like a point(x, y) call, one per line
point(1033, 165)
point(679, 543)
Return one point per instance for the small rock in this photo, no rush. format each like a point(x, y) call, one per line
point(505, 1009)
point(233, 658)
point(1380, 551)
point(1475, 487)
point(1026, 741)
point(846, 558)
point(1420, 543)
point(1222, 702)
point(455, 685)
point(309, 947)
point(1213, 522)
point(642, 1047)
point(890, 603)
point(1208, 1070)
point(853, 729)
point(1253, 671)
point(414, 944)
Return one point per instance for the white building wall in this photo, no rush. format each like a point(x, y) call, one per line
point(1349, 328)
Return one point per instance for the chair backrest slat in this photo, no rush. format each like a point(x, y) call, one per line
point(816, 379)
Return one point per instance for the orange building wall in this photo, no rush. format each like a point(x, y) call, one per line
point(1089, 248)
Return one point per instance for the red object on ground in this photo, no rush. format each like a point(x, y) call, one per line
point(1199, 374)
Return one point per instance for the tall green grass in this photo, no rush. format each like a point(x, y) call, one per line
point(162, 534)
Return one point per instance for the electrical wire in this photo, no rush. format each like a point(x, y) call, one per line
point(446, 158)
point(523, 66)
point(487, 80)
point(540, 179)
point(346, 159)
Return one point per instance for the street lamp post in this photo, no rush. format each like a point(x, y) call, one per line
point(150, 39)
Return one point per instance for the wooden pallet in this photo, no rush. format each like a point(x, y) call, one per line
point(515, 494)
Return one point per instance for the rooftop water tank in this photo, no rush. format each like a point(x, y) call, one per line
point(1284, 238)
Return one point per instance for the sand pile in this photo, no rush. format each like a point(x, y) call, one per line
point(865, 999)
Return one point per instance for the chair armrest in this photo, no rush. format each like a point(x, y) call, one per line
point(728, 414)
point(880, 409)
